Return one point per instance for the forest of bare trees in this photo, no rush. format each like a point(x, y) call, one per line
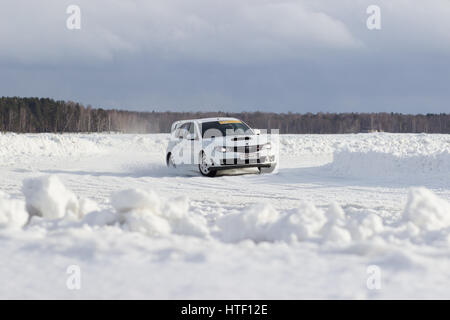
point(47, 115)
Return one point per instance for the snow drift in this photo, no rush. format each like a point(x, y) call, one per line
point(386, 156)
point(48, 197)
point(375, 164)
point(134, 209)
point(16, 147)
point(148, 213)
point(306, 223)
point(12, 212)
point(423, 214)
point(398, 144)
point(426, 211)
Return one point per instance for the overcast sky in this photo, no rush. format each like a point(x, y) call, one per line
point(232, 55)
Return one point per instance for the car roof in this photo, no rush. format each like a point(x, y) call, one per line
point(202, 120)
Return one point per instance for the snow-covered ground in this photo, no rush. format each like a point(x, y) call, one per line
point(338, 205)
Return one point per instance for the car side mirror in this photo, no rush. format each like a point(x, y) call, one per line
point(191, 137)
point(257, 131)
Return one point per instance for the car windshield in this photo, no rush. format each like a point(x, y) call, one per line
point(224, 128)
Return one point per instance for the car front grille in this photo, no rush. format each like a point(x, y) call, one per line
point(243, 150)
point(248, 149)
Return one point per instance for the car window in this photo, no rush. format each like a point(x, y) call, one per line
point(184, 130)
point(223, 128)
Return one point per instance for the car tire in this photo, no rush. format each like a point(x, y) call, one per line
point(169, 161)
point(267, 169)
point(203, 167)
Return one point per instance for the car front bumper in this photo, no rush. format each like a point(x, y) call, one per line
point(224, 163)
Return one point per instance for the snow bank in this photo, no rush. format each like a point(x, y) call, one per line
point(398, 144)
point(48, 197)
point(18, 147)
point(47, 144)
point(133, 209)
point(306, 223)
point(375, 164)
point(151, 214)
point(424, 219)
point(426, 211)
point(100, 218)
point(334, 230)
point(379, 155)
point(254, 223)
point(12, 212)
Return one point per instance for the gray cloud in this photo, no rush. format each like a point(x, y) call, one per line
point(231, 55)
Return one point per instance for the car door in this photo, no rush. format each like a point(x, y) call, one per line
point(178, 150)
point(193, 144)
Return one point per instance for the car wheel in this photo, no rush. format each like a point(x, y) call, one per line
point(204, 167)
point(170, 161)
point(267, 169)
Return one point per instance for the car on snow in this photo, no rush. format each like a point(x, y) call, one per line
point(214, 144)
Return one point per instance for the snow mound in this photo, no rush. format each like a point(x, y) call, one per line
point(334, 230)
point(12, 213)
point(24, 147)
point(255, 223)
point(47, 197)
point(426, 211)
point(100, 218)
point(379, 164)
point(305, 223)
point(47, 144)
point(134, 209)
point(148, 213)
point(400, 144)
point(425, 217)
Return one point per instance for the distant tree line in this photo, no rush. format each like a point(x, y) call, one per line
point(47, 115)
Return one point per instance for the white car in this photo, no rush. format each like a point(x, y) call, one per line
point(214, 144)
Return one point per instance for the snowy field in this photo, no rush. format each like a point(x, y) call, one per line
point(337, 205)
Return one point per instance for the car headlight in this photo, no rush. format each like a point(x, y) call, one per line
point(223, 149)
point(267, 146)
